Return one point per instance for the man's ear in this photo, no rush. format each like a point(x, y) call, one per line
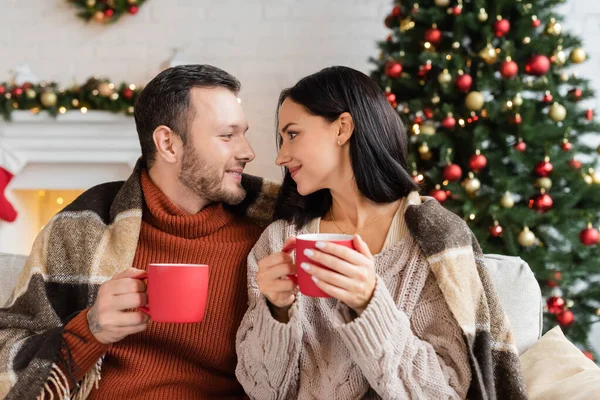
point(169, 145)
point(346, 128)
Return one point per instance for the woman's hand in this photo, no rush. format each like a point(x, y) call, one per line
point(276, 281)
point(352, 277)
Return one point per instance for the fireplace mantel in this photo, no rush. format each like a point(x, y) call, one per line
point(73, 151)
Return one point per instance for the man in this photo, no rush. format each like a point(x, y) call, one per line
point(74, 317)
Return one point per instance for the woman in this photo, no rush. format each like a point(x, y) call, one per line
point(388, 330)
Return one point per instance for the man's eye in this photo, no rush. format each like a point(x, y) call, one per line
point(228, 136)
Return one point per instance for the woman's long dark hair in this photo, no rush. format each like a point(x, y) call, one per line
point(378, 146)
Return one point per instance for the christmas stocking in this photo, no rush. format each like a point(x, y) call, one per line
point(7, 212)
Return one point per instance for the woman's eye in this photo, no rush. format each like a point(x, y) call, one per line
point(292, 135)
point(228, 136)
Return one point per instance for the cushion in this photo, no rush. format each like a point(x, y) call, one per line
point(520, 296)
point(10, 269)
point(555, 369)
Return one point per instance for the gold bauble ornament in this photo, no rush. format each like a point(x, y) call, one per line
point(444, 77)
point(518, 100)
point(435, 99)
point(557, 112)
point(483, 15)
point(106, 89)
point(132, 2)
point(471, 184)
point(428, 128)
point(111, 3)
point(578, 55)
point(544, 183)
point(442, 3)
point(423, 148)
point(564, 77)
point(474, 101)
point(99, 16)
point(553, 28)
point(488, 54)
point(30, 93)
point(526, 238)
point(507, 200)
point(90, 3)
point(48, 99)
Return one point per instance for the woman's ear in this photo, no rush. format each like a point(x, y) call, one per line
point(169, 145)
point(346, 128)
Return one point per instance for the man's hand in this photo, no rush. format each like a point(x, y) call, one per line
point(110, 319)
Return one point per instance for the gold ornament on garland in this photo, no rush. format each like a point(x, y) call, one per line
point(442, 3)
point(544, 183)
point(526, 238)
point(48, 97)
point(106, 89)
point(444, 77)
point(106, 11)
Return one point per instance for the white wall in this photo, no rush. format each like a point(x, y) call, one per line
point(267, 44)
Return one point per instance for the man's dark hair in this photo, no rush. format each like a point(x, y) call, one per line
point(378, 146)
point(166, 101)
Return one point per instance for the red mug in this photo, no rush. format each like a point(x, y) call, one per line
point(305, 283)
point(176, 292)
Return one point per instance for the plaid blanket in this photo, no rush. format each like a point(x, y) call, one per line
point(457, 262)
point(96, 237)
point(82, 247)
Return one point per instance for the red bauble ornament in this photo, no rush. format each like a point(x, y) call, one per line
point(433, 35)
point(17, 91)
point(457, 10)
point(555, 304)
point(2, 89)
point(589, 236)
point(127, 93)
point(516, 119)
point(496, 230)
point(390, 21)
point(27, 85)
point(464, 82)
point(575, 164)
point(521, 146)
point(575, 94)
point(565, 318)
point(541, 203)
point(391, 97)
point(547, 98)
point(501, 27)
point(418, 120)
point(133, 10)
point(423, 70)
point(566, 145)
point(589, 114)
point(536, 22)
point(543, 168)
point(551, 284)
point(589, 355)
point(393, 69)
point(389, 38)
point(537, 65)
point(109, 12)
point(449, 122)
point(396, 11)
point(477, 162)
point(439, 194)
point(509, 69)
point(452, 172)
point(428, 113)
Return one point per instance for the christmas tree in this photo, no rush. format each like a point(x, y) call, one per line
point(497, 128)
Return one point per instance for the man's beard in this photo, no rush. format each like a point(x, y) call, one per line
point(206, 180)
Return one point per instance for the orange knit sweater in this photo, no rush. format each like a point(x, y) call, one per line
point(178, 361)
